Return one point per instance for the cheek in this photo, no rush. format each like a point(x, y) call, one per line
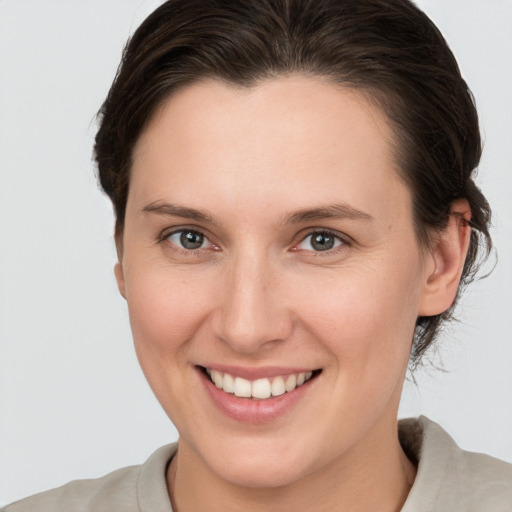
point(366, 315)
point(165, 311)
point(365, 321)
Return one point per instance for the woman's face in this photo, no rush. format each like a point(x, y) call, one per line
point(269, 235)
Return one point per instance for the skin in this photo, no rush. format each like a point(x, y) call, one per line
point(258, 294)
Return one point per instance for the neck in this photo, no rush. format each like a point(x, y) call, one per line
point(374, 475)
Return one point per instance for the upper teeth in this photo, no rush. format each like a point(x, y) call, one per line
point(260, 388)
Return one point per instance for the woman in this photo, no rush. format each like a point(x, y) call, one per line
point(296, 213)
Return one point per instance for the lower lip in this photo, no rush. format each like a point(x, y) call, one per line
point(249, 410)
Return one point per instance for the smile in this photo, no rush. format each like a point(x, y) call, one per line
point(262, 388)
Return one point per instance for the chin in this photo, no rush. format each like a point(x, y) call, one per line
point(259, 475)
point(259, 463)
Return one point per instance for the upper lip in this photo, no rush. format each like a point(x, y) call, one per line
point(253, 373)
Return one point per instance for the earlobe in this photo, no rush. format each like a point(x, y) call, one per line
point(119, 273)
point(447, 256)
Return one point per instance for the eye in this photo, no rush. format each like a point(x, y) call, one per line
point(319, 241)
point(188, 239)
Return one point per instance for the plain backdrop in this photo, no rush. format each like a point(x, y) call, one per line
point(73, 401)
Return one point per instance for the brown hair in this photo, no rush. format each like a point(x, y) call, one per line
point(387, 49)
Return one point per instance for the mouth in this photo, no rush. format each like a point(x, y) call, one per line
point(261, 388)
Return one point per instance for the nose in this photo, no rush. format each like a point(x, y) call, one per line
point(252, 313)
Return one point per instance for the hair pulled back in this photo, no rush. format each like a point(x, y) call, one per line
point(387, 49)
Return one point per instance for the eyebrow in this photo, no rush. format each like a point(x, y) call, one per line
point(173, 210)
point(334, 211)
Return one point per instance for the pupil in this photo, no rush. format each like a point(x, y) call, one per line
point(191, 240)
point(322, 242)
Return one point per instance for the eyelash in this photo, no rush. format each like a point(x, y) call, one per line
point(343, 241)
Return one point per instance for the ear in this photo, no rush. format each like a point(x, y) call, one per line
point(445, 261)
point(119, 273)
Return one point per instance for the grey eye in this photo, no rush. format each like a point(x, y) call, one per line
point(188, 239)
point(320, 241)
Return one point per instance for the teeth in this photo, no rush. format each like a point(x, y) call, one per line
point(278, 386)
point(291, 383)
point(260, 388)
point(242, 387)
point(217, 378)
point(229, 383)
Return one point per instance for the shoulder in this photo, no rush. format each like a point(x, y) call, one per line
point(84, 495)
point(134, 488)
point(450, 478)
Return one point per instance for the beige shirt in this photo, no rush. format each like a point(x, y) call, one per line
point(448, 480)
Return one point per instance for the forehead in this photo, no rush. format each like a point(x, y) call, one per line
point(293, 137)
point(290, 106)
